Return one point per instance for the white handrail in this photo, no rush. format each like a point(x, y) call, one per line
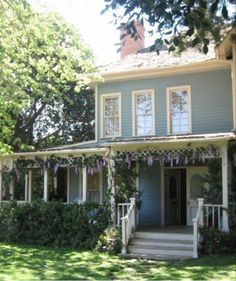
point(197, 221)
point(128, 225)
point(122, 210)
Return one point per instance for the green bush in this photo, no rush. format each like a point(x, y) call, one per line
point(110, 241)
point(53, 224)
point(215, 241)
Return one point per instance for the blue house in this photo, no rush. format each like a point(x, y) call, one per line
point(175, 115)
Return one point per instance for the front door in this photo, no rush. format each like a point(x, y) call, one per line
point(195, 185)
point(172, 197)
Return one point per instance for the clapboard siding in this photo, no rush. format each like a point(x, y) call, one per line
point(211, 101)
point(150, 188)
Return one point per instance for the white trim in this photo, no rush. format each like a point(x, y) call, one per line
point(45, 185)
point(134, 121)
point(102, 98)
point(162, 166)
point(30, 185)
point(225, 191)
point(84, 181)
point(68, 184)
point(96, 112)
point(168, 99)
point(209, 65)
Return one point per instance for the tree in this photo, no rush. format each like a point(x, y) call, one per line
point(177, 24)
point(44, 74)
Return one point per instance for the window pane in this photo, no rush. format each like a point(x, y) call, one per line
point(111, 116)
point(179, 111)
point(93, 188)
point(144, 119)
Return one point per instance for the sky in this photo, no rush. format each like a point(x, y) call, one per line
point(97, 30)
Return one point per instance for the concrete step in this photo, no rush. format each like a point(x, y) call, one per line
point(154, 257)
point(160, 251)
point(166, 236)
point(161, 242)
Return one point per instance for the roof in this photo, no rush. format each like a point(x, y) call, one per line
point(93, 147)
point(153, 60)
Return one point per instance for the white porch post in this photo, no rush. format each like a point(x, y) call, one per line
point(234, 83)
point(0, 181)
point(68, 185)
point(85, 182)
point(45, 184)
point(224, 157)
point(11, 183)
point(26, 186)
point(111, 186)
point(30, 186)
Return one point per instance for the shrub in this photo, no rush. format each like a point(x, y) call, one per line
point(110, 241)
point(215, 241)
point(53, 224)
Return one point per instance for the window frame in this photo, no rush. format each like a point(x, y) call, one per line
point(169, 90)
point(103, 98)
point(100, 186)
point(134, 116)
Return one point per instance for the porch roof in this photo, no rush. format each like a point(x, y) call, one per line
point(173, 139)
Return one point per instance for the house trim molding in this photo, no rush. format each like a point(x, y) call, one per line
point(165, 71)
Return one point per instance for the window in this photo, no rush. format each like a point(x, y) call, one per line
point(111, 109)
point(143, 113)
point(93, 187)
point(179, 110)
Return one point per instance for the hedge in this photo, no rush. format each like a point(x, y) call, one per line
point(53, 224)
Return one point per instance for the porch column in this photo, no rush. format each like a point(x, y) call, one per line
point(26, 186)
point(30, 186)
point(68, 185)
point(111, 187)
point(11, 183)
point(234, 83)
point(84, 195)
point(45, 184)
point(0, 181)
point(224, 157)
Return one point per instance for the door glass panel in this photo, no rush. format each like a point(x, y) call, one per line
point(172, 187)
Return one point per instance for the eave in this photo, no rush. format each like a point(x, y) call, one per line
point(164, 71)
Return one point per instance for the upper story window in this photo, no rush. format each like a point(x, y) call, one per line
point(143, 113)
point(111, 115)
point(179, 110)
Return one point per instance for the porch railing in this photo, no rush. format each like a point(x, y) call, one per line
point(128, 224)
point(209, 215)
point(122, 210)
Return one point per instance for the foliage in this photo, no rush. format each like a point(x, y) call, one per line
point(110, 241)
point(215, 241)
point(53, 224)
point(213, 193)
point(176, 24)
point(44, 99)
point(20, 262)
point(125, 181)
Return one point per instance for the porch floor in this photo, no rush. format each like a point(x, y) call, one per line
point(181, 229)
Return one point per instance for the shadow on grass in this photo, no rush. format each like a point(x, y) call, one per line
point(28, 262)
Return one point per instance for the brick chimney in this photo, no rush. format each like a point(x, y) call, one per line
point(130, 45)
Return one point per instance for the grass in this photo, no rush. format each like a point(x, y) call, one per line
point(39, 263)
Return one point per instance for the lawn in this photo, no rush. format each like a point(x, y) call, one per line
point(34, 263)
